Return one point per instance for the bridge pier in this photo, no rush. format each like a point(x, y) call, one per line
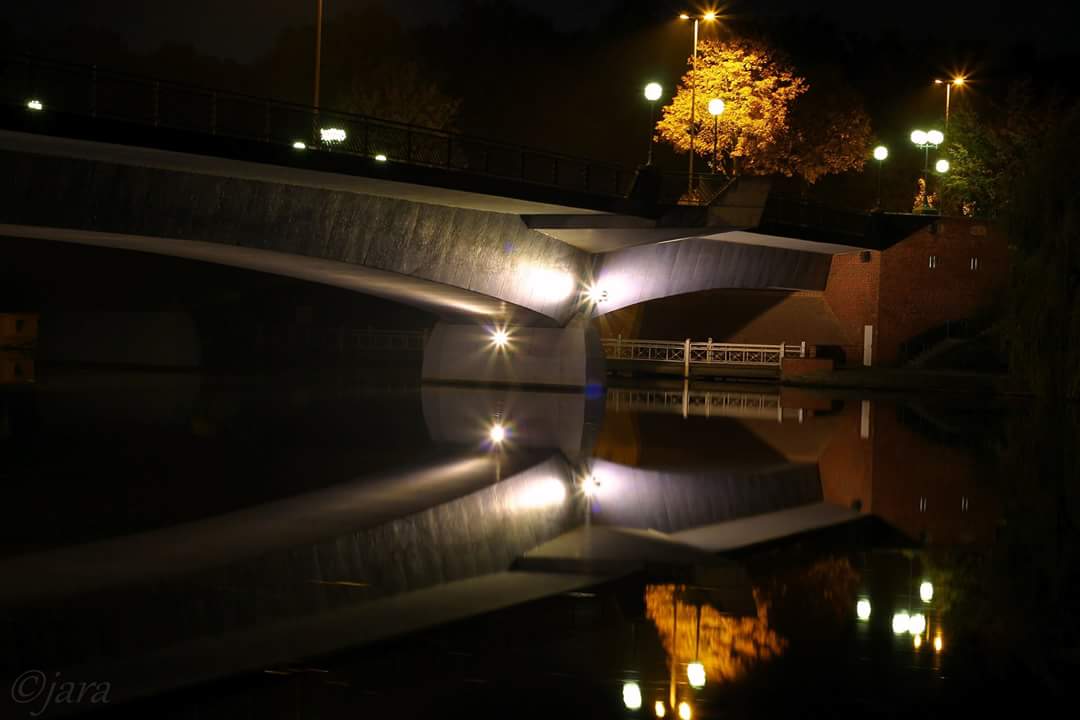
point(568, 357)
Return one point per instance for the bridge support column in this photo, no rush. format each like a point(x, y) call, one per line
point(567, 357)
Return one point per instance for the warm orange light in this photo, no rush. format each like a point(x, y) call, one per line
point(938, 643)
point(939, 82)
point(959, 80)
point(684, 16)
point(709, 16)
point(917, 641)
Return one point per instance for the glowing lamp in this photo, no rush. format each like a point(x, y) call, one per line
point(917, 624)
point(596, 294)
point(589, 486)
point(935, 137)
point(497, 433)
point(900, 623)
point(684, 711)
point(653, 91)
point(695, 674)
point(631, 696)
point(500, 337)
point(959, 80)
point(332, 135)
point(942, 166)
point(298, 145)
point(35, 105)
point(881, 152)
point(709, 16)
point(862, 609)
point(380, 158)
point(684, 16)
point(658, 709)
point(918, 137)
point(716, 106)
point(926, 591)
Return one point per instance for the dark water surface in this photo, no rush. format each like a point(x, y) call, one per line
point(317, 544)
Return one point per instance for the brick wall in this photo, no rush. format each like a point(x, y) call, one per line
point(852, 293)
point(915, 297)
point(902, 295)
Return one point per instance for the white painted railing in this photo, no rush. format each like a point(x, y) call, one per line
point(687, 353)
point(686, 402)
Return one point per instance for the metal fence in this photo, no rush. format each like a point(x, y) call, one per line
point(48, 86)
point(689, 353)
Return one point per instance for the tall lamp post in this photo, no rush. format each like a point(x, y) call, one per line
point(880, 153)
point(925, 140)
point(707, 17)
point(653, 91)
point(957, 82)
point(318, 51)
point(716, 107)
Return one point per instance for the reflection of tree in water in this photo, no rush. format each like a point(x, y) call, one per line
point(826, 588)
point(727, 646)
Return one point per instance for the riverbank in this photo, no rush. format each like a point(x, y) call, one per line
point(909, 380)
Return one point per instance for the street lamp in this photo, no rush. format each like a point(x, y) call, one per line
point(942, 166)
point(949, 85)
point(653, 91)
point(924, 140)
point(716, 107)
point(880, 153)
point(707, 17)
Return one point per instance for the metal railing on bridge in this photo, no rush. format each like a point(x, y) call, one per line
point(689, 354)
point(40, 85)
point(687, 402)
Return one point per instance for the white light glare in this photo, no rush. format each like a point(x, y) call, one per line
point(380, 158)
point(34, 105)
point(551, 285)
point(942, 165)
point(695, 674)
point(497, 433)
point(631, 696)
point(917, 624)
point(862, 609)
point(545, 493)
point(500, 337)
point(332, 135)
point(653, 91)
point(900, 623)
point(596, 294)
point(926, 591)
point(299, 146)
point(935, 137)
point(589, 485)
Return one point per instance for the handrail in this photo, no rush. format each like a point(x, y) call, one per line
point(94, 92)
point(689, 353)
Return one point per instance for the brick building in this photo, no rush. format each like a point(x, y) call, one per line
point(948, 271)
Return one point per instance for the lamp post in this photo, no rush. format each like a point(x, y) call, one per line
point(880, 153)
point(707, 17)
point(653, 91)
point(925, 140)
point(949, 85)
point(318, 51)
point(716, 107)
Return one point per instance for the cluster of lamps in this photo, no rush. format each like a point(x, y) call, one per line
point(904, 622)
point(632, 700)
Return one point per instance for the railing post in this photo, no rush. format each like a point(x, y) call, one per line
point(802, 349)
point(618, 346)
point(708, 352)
point(157, 103)
point(686, 358)
point(781, 353)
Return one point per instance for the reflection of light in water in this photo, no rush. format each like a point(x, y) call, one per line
point(862, 609)
point(926, 591)
point(684, 710)
point(660, 709)
point(695, 675)
point(543, 493)
point(917, 641)
point(900, 623)
point(726, 646)
point(631, 696)
point(938, 643)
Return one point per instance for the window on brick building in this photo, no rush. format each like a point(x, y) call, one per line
point(922, 504)
point(974, 263)
point(864, 256)
point(933, 262)
point(964, 504)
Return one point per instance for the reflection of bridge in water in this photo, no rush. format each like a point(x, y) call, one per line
point(703, 403)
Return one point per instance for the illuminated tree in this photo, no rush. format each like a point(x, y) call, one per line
point(758, 91)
